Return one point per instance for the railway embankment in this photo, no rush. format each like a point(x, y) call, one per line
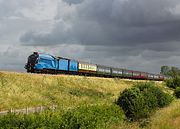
point(21, 90)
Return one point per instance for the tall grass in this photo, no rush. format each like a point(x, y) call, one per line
point(19, 90)
point(167, 118)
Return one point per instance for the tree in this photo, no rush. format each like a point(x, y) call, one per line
point(165, 70)
point(170, 71)
point(175, 71)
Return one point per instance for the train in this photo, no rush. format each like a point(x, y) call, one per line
point(46, 63)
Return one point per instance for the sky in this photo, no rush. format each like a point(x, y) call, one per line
point(133, 34)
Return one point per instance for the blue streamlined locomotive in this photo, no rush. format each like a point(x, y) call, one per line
point(45, 63)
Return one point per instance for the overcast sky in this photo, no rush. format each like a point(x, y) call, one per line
point(135, 34)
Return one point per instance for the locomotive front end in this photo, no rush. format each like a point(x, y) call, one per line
point(32, 60)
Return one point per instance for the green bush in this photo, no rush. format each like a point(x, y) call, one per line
point(141, 100)
point(147, 90)
point(46, 119)
point(169, 83)
point(164, 99)
point(133, 103)
point(156, 97)
point(91, 117)
point(177, 92)
point(173, 82)
point(84, 117)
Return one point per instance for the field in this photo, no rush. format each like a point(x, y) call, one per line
point(20, 90)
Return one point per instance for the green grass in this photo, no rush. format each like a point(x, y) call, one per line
point(167, 118)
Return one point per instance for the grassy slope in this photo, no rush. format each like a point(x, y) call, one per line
point(19, 90)
point(167, 118)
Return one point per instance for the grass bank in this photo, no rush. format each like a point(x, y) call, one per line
point(19, 90)
point(165, 118)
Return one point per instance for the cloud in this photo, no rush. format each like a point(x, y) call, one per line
point(15, 57)
point(30, 9)
point(134, 34)
point(116, 22)
point(73, 1)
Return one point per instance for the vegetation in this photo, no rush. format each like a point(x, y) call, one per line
point(19, 90)
point(177, 92)
point(173, 82)
point(93, 117)
point(85, 102)
point(84, 117)
point(166, 118)
point(141, 100)
point(170, 71)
